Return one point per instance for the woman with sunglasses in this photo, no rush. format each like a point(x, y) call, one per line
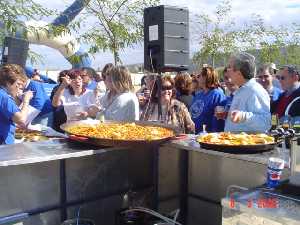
point(73, 96)
point(204, 103)
point(173, 112)
point(265, 75)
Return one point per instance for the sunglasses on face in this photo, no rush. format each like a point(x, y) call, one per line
point(166, 87)
point(280, 77)
point(263, 76)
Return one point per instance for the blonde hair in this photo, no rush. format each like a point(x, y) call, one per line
point(121, 79)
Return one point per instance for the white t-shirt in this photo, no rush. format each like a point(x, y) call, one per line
point(123, 107)
point(76, 104)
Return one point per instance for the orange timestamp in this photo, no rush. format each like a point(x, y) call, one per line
point(263, 203)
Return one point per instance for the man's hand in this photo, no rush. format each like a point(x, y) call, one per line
point(236, 116)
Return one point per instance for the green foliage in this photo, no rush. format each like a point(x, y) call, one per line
point(35, 58)
point(13, 12)
point(217, 36)
point(12, 15)
point(220, 37)
point(116, 25)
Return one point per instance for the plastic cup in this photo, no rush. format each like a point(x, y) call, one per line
point(140, 95)
point(147, 93)
point(220, 112)
point(275, 167)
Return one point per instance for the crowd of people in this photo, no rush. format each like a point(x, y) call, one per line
point(242, 98)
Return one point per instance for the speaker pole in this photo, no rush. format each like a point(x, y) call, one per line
point(159, 84)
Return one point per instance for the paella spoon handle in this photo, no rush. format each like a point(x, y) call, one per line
point(204, 128)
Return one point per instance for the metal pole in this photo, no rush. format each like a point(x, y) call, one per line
point(183, 188)
point(155, 164)
point(63, 190)
point(159, 84)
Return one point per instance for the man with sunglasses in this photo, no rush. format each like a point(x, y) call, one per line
point(250, 107)
point(289, 80)
point(265, 76)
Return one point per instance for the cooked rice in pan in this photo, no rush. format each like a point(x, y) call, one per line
point(118, 131)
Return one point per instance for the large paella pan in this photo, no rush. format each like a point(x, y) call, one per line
point(237, 143)
point(112, 133)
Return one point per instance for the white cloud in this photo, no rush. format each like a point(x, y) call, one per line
point(274, 12)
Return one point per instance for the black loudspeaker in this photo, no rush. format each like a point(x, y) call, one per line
point(15, 51)
point(166, 39)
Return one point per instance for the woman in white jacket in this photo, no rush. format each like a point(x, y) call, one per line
point(120, 102)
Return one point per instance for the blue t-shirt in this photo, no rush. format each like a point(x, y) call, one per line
point(8, 108)
point(40, 99)
point(203, 108)
point(227, 102)
point(275, 94)
point(92, 85)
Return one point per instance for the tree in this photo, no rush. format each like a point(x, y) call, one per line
point(264, 41)
point(12, 15)
point(292, 50)
point(217, 36)
point(114, 24)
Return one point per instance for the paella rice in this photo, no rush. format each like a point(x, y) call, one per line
point(227, 138)
point(121, 131)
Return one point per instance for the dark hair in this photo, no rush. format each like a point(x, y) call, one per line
point(183, 83)
point(291, 69)
point(265, 67)
point(10, 73)
point(143, 80)
point(225, 70)
point(245, 63)
point(89, 71)
point(211, 75)
point(62, 74)
point(73, 74)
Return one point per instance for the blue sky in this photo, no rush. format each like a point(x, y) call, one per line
point(274, 12)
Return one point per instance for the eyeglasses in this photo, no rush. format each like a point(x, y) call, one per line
point(280, 77)
point(263, 76)
point(166, 87)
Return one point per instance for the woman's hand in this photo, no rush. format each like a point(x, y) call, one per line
point(82, 115)
point(65, 81)
point(27, 96)
point(93, 110)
